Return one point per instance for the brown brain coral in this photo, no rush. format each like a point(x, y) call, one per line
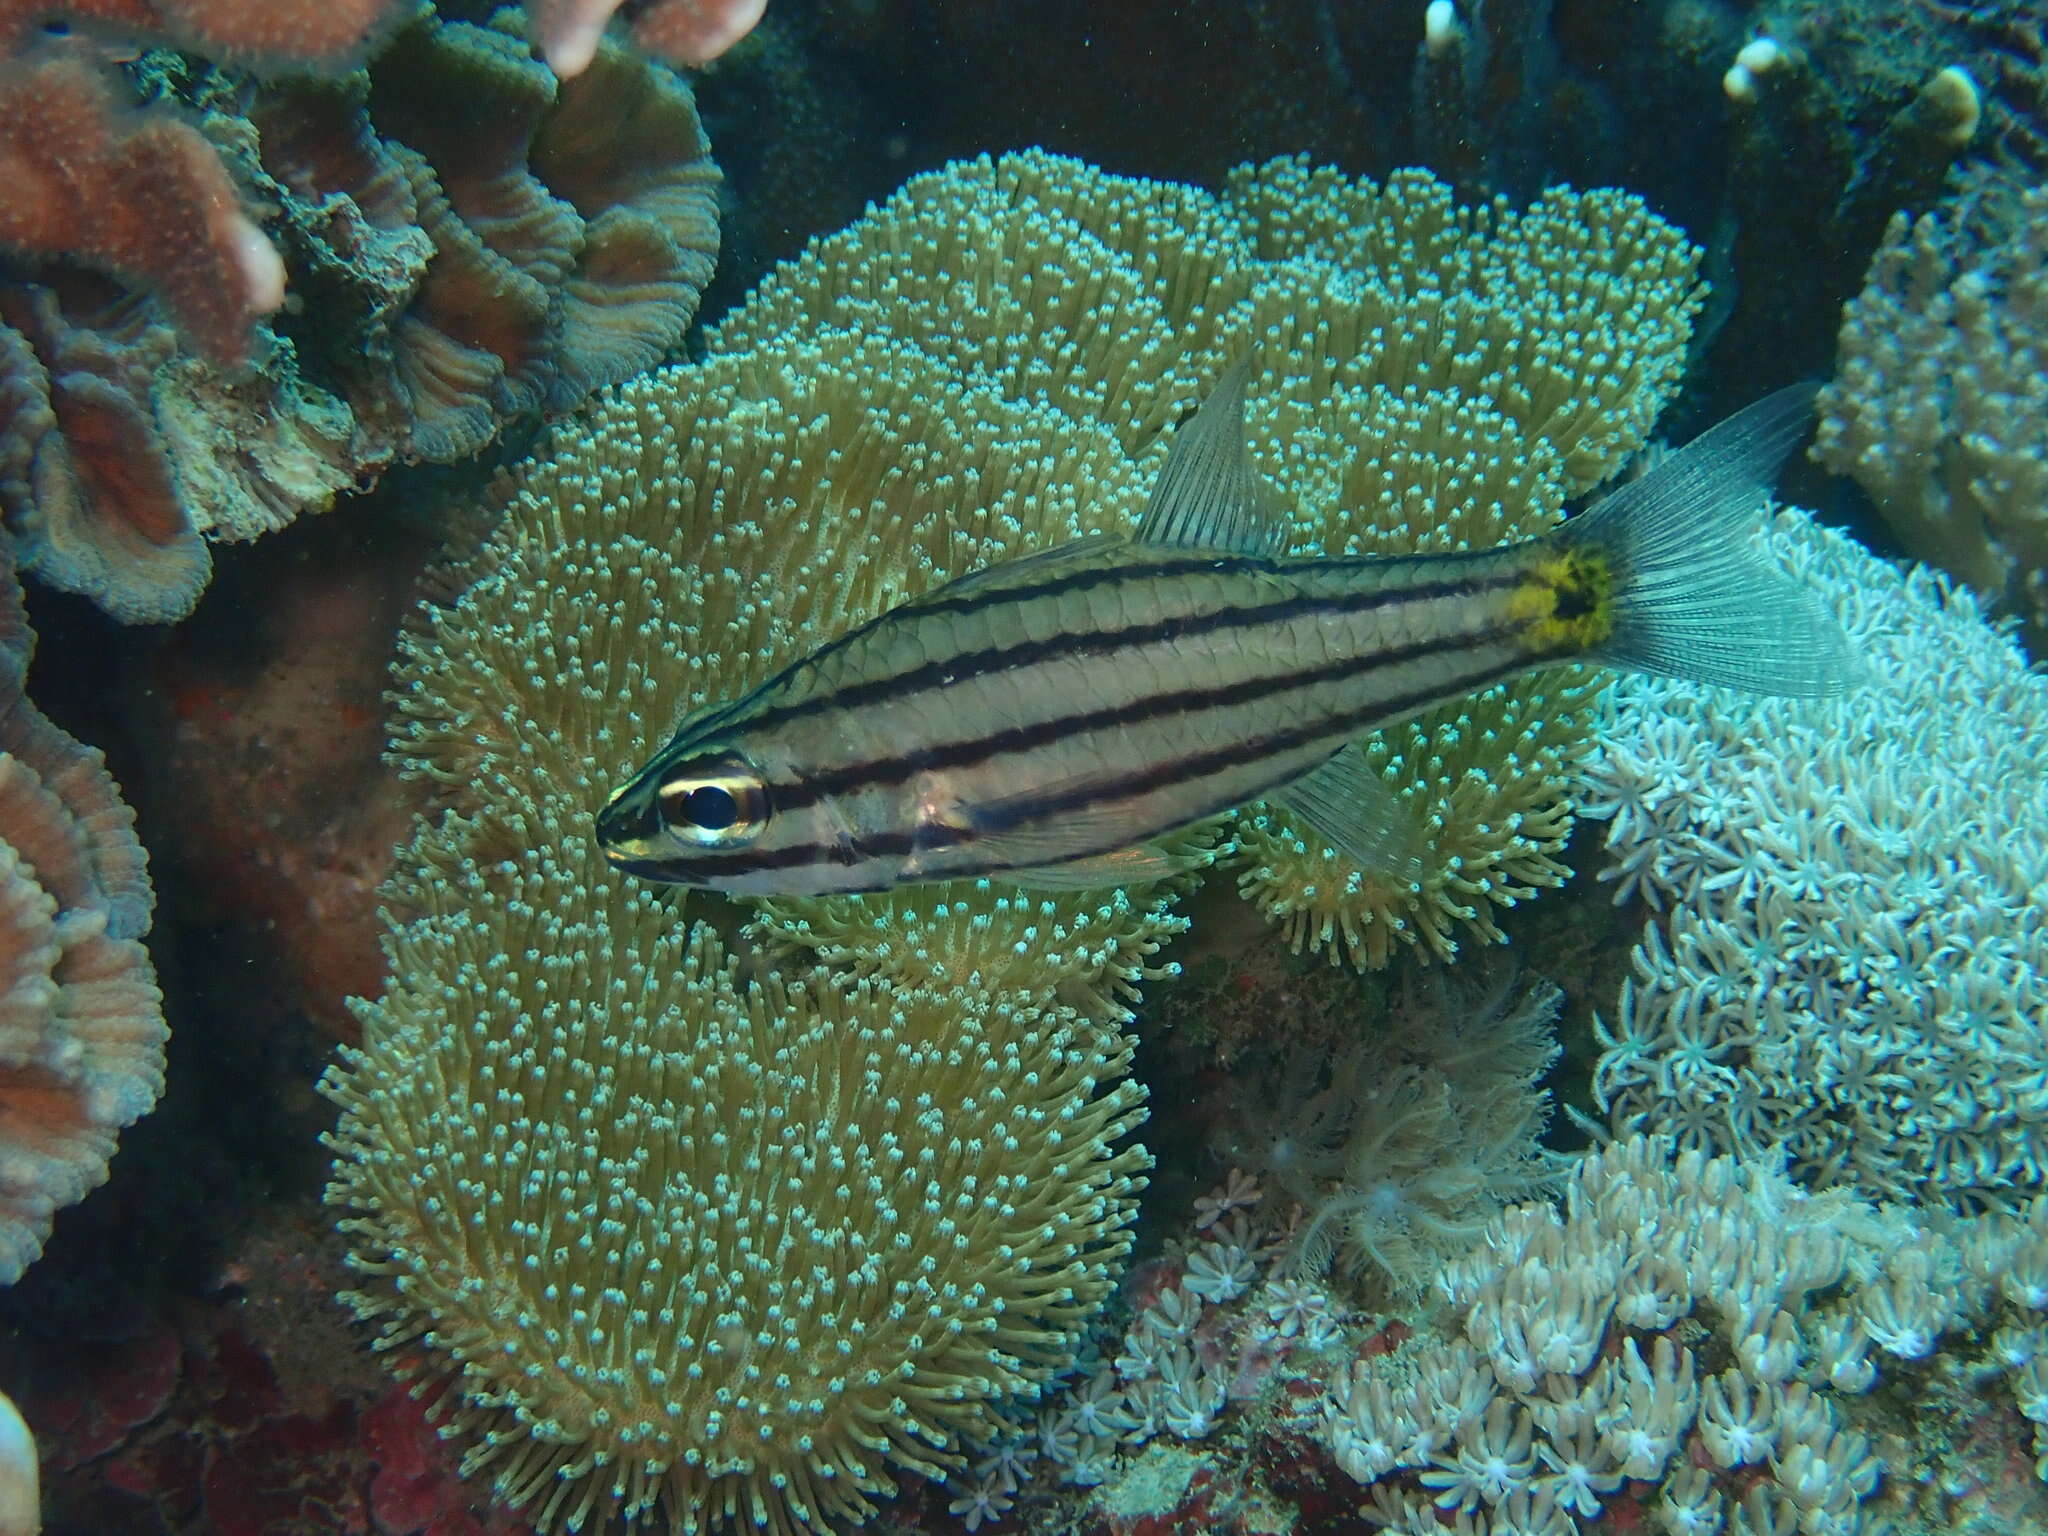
point(81, 1021)
point(984, 366)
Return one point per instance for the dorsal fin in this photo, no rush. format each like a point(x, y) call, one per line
point(1208, 495)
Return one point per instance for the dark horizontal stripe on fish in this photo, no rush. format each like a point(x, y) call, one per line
point(1057, 586)
point(1026, 738)
point(991, 660)
point(1338, 728)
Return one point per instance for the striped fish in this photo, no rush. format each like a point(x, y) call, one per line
point(1045, 719)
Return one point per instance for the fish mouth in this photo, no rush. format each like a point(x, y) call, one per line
point(630, 834)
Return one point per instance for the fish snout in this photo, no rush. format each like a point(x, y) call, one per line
point(629, 828)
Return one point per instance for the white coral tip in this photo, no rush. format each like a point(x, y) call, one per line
point(1760, 55)
point(20, 1495)
point(1440, 31)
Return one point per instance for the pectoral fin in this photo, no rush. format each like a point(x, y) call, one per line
point(1032, 836)
point(1349, 806)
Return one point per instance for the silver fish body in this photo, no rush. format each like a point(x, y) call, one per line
point(1045, 719)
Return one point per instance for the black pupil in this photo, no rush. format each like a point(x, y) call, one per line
point(711, 808)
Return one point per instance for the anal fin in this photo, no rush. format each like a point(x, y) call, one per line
point(1348, 805)
point(1126, 866)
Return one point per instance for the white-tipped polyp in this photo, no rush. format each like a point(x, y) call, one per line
point(572, 42)
point(1760, 55)
point(1953, 94)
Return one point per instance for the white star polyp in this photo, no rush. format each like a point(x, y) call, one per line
point(1847, 885)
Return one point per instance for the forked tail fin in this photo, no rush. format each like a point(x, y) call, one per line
point(1692, 595)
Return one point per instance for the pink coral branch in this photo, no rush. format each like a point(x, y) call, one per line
point(680, 31)
point(141, 194)
point(320, 34)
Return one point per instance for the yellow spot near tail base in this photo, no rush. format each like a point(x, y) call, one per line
point(1569, 600)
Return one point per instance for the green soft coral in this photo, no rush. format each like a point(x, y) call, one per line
point(986, 365)
point(1428, 376)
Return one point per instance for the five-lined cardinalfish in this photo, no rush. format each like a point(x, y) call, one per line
point(1043, 720)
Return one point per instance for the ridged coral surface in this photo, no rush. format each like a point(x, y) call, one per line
point(82, 1029)
point(471, 241)
point(1849, 962)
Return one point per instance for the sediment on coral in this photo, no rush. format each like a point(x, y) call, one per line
point(1845, 960)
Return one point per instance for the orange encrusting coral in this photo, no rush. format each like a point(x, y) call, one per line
point(88, 182)
point(322, 34)
point(472, 240)
point(143, 195)
point(85, 478)
point(137, 194)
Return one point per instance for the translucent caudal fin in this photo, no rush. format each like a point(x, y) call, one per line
point(1693, 595)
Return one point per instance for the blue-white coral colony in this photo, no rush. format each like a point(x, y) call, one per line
point(1852, 965)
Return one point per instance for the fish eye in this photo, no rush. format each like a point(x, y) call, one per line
point(714, 802)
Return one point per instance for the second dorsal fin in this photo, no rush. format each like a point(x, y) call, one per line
point(1208, 495)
